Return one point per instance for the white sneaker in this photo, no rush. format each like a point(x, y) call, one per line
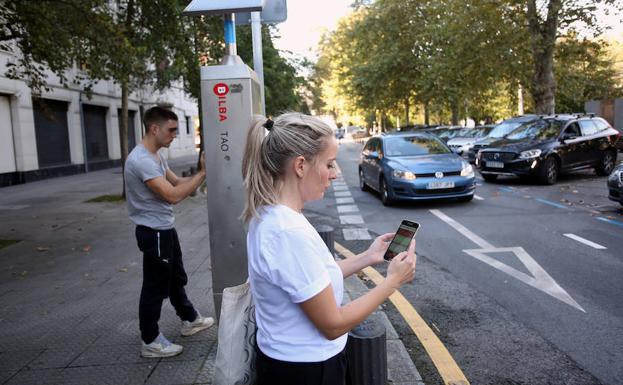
point(161, 347)
point(199, 324)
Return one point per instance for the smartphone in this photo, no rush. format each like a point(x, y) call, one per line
point(401, 240)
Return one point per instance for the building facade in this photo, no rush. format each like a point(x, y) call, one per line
point(65, 132)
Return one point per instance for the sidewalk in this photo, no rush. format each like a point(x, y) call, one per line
point(69, 289)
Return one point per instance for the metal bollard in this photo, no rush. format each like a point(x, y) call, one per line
point(366, 353)
point(326, 233)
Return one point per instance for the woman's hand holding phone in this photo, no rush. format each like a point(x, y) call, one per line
point(401, 269)
point(378, 248)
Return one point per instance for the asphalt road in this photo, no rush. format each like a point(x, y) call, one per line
point(515, 282)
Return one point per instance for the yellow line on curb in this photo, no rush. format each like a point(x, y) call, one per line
point(442, 359)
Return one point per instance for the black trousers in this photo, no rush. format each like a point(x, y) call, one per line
point(274, 372)
point(163, 276)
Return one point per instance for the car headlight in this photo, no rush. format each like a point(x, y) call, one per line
point(467, 170)
point(400, 174)
point(530, 154)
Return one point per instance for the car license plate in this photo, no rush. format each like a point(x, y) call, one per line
point(495, 164)
point(439, 184)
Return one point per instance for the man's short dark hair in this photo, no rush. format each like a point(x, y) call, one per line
point(157, 115)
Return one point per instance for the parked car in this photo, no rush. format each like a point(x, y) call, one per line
point(550, 145)
point(414, 166)
point(497, 133)
point(445, 132)
point(615, 184)
point(465, 139)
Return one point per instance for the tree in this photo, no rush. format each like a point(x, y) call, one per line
point(585, 72)
point(132, 42)
point(54, 36)
point(544, 24)
point(281, 82)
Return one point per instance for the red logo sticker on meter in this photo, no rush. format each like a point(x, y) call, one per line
point(221, 89)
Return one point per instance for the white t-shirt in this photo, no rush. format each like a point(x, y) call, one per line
point(289, 264)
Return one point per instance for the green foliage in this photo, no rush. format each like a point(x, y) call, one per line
point(584, 71)
point(7, 242)
point(455, 58)
point(281, 82)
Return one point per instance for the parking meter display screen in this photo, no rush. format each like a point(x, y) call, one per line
point(401, 240)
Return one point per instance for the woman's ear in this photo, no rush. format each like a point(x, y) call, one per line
point(299, 166)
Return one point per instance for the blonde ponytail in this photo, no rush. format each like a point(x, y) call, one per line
point(266, 155)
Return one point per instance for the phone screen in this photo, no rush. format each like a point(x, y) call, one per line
point(401, 240)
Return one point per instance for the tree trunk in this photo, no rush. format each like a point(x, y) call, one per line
point(123, 134)
point(426, 114)
point(406, 111)
point(199, 100)
point(200, 133)
point(544, 84)
point(543, 39)
point(455, 112)
point(125, 91)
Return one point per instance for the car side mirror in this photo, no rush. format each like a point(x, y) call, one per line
point(372, 155)
point(568, 136)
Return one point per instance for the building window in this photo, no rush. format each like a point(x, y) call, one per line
point(188, 120)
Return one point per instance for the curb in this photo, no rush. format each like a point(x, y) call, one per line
point(400, 369)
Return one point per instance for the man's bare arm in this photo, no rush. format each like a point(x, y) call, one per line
point(174, 193)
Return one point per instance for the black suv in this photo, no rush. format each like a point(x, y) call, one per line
point(498, 132)
point(550, 145)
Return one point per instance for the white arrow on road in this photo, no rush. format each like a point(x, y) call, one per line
point(539, 279)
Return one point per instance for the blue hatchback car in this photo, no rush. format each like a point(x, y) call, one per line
point(414, 166)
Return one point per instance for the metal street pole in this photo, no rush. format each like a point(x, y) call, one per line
point(258, 57)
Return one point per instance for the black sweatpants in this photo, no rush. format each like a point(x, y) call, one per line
point(275, 372)
point(163, 276)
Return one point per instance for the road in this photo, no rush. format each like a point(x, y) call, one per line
point(523, 285)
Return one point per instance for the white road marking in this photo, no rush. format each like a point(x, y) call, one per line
point(356, 234)
point(342, 193)
point(340, 188)
point(339, 183)
point(344, 200)
point(463, 230)
point(347, 209)
point(585, 241)
point(540, 279)
point(351, 219)
point(478, 198)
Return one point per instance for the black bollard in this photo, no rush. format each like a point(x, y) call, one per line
point(326, 233)
point(366, 353)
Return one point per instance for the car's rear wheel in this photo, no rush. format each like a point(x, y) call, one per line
point(606, 164)
point(548, 173)
point(362, 184)
point(384, 191)
point(490, 177)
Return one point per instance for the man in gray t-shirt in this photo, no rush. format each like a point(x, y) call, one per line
point(151, 190)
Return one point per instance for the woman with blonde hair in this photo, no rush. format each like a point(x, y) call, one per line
point(296, 284)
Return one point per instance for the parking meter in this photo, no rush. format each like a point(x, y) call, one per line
point(230, 97)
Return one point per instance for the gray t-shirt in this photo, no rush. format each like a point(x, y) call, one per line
point(144, 206)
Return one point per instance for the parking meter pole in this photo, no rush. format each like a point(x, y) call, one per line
point(229, 26)
point(230, 96)
point(258, 59)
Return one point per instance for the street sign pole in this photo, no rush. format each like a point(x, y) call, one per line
point(258, 57)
